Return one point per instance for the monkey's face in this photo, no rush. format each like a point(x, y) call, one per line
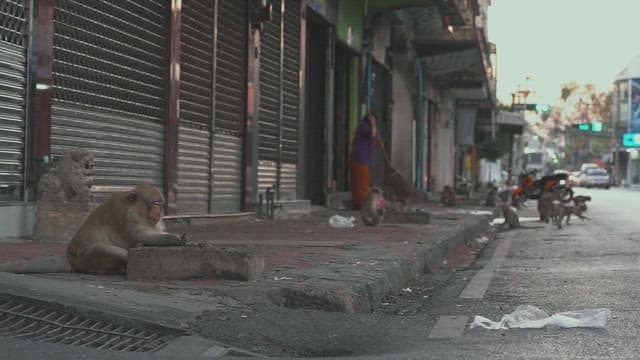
point(155, 210)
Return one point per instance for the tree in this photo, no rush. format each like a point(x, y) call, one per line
point(578, 103)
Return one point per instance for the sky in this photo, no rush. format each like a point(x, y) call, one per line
point(557, 41)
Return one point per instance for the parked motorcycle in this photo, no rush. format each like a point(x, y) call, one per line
point(531, 188)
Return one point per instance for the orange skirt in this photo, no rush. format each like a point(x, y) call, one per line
point(360, 182)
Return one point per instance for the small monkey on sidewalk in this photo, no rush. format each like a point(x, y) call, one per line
point(372, 209)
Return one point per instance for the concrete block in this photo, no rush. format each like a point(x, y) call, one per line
point(194, 261)
point(292, 209)
point(413, 217)
point(59, 221)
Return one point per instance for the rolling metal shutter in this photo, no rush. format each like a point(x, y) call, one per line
point(291, 101)
point(214, 55)
point(196, 91)
point(279, 100)
point(13, 42)
point(110, 76)
point(230, 105)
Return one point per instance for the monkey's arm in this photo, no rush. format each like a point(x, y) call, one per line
point(159, 238)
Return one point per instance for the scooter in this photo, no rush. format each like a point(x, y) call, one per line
point(531, 188)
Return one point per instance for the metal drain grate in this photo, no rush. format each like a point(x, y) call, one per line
point(25, 321)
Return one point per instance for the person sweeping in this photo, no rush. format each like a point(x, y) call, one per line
point(362, 148)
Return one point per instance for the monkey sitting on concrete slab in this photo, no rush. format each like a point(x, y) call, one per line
point(372, 209)
point(123, 221)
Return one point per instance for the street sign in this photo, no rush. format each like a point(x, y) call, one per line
point(631, 140)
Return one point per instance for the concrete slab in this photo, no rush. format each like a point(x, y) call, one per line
point(194, 261)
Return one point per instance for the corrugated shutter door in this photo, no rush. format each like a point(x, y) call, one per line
point(196, 91)
point(268, 124)
point(13, 26)
point(230, 105)
point(291, 101)
point(279, 100)
point(109, 71)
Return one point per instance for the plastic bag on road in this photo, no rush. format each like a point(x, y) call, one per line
point(341, 222)
point(530, 317)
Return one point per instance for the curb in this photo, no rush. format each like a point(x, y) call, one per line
point(363, 292)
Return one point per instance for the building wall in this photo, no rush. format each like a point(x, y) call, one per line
point(402, 112)
point(381, 39)
point(351, 22)
point(444, 139)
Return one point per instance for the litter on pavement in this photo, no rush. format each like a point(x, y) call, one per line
point(531, 317)
point(500, 220)
point(341, 222)
point(470, 212)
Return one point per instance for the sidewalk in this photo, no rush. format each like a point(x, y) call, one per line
point(308, 264)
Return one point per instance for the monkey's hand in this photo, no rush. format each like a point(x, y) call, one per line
point(158, 238)
point(184, 238)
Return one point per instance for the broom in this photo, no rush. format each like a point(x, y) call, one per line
point(401, 189)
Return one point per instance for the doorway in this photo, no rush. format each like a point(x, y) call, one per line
point(316, 99)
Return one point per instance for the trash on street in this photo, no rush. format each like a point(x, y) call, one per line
point(531, 317)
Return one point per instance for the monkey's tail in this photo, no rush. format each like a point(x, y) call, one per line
point(45, 264)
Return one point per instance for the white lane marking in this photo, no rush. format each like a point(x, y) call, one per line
point(477, 287)
point(449, 327)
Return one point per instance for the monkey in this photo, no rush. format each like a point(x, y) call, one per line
point(491, 196)
point(556, 212)
point(100, 246)
point(448, 197)
point(545, 204)
point(511, 218)
point(372, 209)
point(125, 220)
point(578, 208)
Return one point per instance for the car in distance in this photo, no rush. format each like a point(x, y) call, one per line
point(596, 177)
point(574, 178)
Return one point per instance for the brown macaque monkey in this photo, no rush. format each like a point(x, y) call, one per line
point(545, 206)
point(448, 197)
point(125, 220)
point(578, 208)
point(372, 209)
point(490, 201)
point(511, 218)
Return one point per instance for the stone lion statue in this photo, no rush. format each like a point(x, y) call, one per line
point(70, 179)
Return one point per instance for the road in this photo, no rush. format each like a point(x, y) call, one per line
point(588, 264)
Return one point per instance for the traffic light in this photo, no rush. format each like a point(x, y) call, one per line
point(582, 126)
point(543, 108)
point(631, 140)
point(597, 126)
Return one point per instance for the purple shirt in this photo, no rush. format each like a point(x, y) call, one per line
point(362, 143)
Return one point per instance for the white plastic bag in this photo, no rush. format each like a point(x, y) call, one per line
point(341, 222)
point(530, 317)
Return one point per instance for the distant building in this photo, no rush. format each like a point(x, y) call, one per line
point(626, 120)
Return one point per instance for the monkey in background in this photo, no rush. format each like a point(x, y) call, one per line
point(372, 209)
point(578, 208)
point(125, 220)
point(490, 201)
point(545, 206)
point(448, 197)
point(511, 218)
